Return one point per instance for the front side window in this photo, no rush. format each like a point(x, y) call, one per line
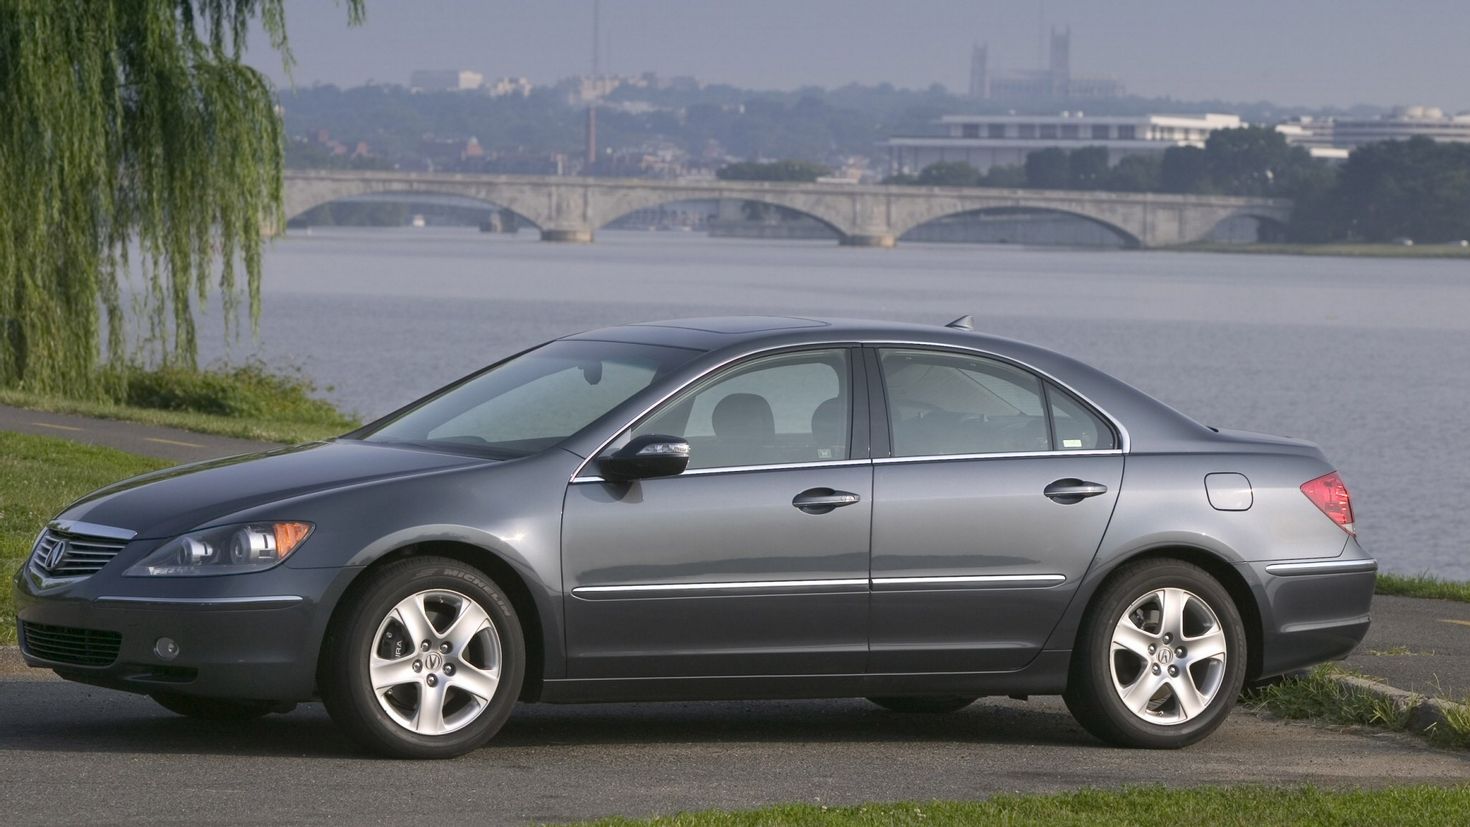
point(535, 400)
point(949, 403)
point(772, 410)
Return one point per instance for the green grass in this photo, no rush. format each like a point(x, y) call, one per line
point(1317, 697)
point(1423, 585)
point(38, 477)
point(1369, 250)
point(249, 401)
point(266, 429)
point(1253, 806)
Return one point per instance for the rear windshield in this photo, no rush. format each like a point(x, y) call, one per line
point(532, 401)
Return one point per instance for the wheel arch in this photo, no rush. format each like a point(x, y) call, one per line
point(1247, 602)
point(493, 565)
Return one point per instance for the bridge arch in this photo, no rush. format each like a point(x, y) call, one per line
point(1124, 237)
point(1121, 217)
point(301, 199)
point(610, 212)
point(1269, 227)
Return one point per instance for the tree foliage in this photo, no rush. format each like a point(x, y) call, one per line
point(129, 128)
point(772, 171)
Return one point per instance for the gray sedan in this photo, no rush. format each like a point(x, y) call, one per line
point(719, 508)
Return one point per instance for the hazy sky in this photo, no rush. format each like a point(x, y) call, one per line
point(1314, 52)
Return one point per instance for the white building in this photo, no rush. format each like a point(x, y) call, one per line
point(1405, 122)
point(445, 80)
point(985, 141)
point(508, 86)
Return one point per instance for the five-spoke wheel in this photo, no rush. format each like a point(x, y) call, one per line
point(426, 660)
point(1160, 657)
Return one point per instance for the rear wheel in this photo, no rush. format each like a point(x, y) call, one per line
point(217, 709)
point(924, 704)
point(425, 662)
point(1160, 659)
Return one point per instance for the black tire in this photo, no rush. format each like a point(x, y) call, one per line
point(346, 686)
point(924, 704)
point(1097, 703)
point(217, 709)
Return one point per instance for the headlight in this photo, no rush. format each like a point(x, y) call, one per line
point(232, 549)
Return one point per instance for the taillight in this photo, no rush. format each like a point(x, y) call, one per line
point(1328, 493)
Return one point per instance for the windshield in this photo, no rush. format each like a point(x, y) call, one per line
point(535, 400)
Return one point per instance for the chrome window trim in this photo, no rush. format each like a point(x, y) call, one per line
point(1124, 440)
point(272, 599)
point(998, 455)
point(1297, 568)
point(736, 469)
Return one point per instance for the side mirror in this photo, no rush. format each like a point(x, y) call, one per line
point(650, 455)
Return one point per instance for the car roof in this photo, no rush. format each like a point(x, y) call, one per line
point(1147, 423)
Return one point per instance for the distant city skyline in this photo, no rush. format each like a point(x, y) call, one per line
point(1303, 53)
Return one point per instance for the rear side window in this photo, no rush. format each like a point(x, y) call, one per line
point(949, 403)
point(1075, 427)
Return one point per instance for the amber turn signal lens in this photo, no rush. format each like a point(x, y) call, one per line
point(289, 536)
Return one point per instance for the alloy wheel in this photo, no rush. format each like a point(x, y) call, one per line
point(435, 662)
point(1168, 656)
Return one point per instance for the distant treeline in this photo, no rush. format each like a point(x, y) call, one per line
point(1416, 189)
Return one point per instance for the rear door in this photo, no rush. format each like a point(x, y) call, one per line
point(988, 508)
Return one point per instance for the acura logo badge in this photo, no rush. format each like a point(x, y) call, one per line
point(55, 555)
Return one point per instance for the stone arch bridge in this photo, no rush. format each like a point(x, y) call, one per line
point(572, 209)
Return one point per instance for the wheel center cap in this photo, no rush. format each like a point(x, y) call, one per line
point(432, 661)
point(1165, 655)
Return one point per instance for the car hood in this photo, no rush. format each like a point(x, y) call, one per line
point(175, 500)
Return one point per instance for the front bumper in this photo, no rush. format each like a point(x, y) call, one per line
point(1312, 611)
point(250, 636)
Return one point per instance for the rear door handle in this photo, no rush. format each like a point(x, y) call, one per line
point(823, 500)
point(1069, 491)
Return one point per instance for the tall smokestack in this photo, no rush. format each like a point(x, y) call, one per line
point(596, 73)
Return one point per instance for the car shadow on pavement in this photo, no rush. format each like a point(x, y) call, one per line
point(55, 716)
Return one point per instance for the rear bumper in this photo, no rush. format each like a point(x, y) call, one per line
point(1312, 611)
point(247, 646)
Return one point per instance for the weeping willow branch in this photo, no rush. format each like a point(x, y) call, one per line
point(129, 125)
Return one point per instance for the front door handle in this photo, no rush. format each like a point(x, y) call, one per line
point(823, 500)
point(1070, 491)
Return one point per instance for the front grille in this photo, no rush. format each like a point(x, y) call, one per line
point(64, 644)
point(65, 554)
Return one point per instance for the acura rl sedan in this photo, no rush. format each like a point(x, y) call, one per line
point(712, 509)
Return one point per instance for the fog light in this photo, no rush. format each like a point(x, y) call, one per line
point(166, 648)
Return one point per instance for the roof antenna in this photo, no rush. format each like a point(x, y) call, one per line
point(965, 322)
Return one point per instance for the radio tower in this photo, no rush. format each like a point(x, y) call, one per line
point(596, 74)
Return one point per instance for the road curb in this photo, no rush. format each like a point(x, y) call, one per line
point(1423, 714)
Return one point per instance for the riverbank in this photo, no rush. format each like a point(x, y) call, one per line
point(1343, 250)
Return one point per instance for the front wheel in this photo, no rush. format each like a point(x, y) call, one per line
point(426, 661)
point(1161, 657)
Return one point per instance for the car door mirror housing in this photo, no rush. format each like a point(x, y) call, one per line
point(650, 455)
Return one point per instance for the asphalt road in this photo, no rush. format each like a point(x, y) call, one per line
point(1419, 645)
point(73, 754)
point(148, 440)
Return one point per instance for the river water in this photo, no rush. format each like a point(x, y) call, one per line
point(1370, 358)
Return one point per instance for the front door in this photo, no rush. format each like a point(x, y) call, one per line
point(987, 513)
point(754, 561)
